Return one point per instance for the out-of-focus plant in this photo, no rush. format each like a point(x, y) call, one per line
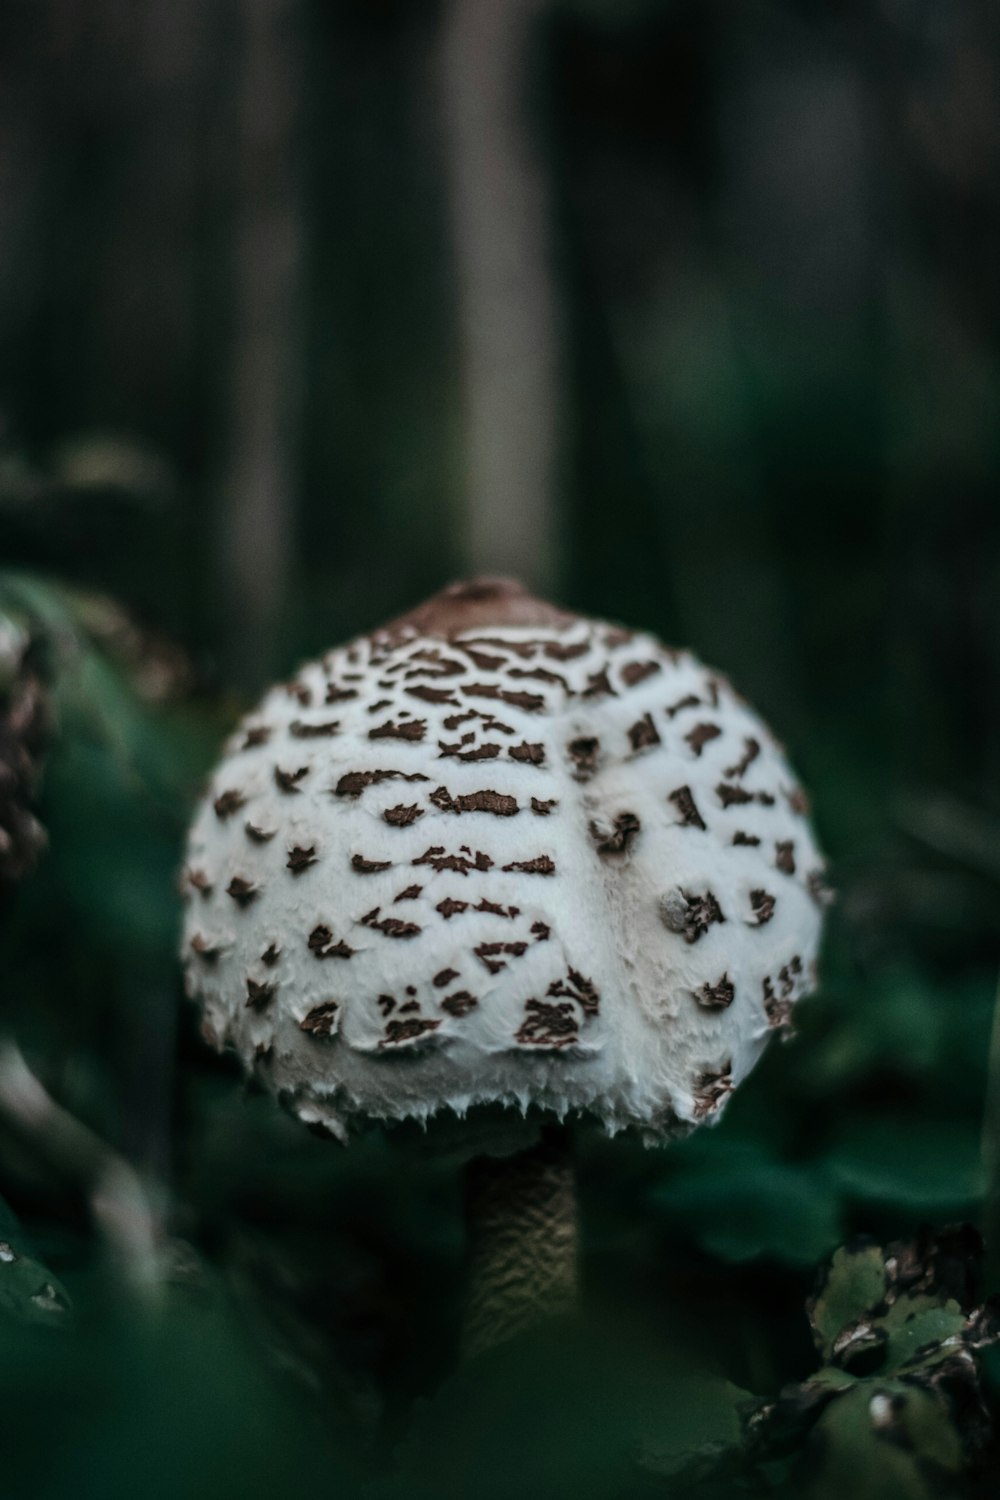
point(25, 725)
point(897, 1407)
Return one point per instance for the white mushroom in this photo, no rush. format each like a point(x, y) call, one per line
point(499, 854)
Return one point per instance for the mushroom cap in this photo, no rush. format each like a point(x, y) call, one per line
point(497, 853)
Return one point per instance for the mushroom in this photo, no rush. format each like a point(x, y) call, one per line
point(500, 857)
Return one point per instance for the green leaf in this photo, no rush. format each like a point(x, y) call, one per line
point(854, 1285)
point(568, 1413)
point(741, 1203)
point(915, 1322)
point(925, 1165)
point(29, 1293)
point(882, 1441)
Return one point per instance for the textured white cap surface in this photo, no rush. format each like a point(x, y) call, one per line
point(547, 863)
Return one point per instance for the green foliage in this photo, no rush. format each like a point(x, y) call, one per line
point(29, 1293)
point(855, 1282)
point(740, 1200)
point(899, 1400)
point(572, 1411)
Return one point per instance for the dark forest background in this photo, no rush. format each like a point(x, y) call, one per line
point(688, 312)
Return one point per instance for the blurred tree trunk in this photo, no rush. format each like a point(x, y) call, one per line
point(505, 290)
point(257, 531)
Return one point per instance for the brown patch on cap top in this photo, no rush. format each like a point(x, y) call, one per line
point(474, 604)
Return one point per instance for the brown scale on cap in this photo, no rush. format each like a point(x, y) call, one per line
point(548, 1025)
point(565, 650)
point(763, 906)
point(690, 700)
point(227, 803)
point(599, 685)
point(540, 865)
point(700, 735)
point(483, 660)
point(710, 1088)
point(738, 796)
point(784, 859)
point(428, 694)
point(459, 1004)
point(259, 995)
point(583, 752)
point(634, 672)
point(440, 666)
point(718, 996)
point(288, 781)
point(402, 816)
point(689, 816)
point(451, 908)
point(487, 751)
point(643, 733)
point(413, 731)
point(798, 801)
point(300, 858)
point(489, 954)
point(616, 836)
point(406, 1031)
point(496, 910)
point(301, 730)
point(576, 987)
point(497, 803)
point(460, 863)
point(353, 783)
point(751, 750)
point(690, 913)
point(320, 1020)
point(541, 674)
point(532, 703)
point(321, 944)
point(392, 927)
point(779, 996)
point(242, 891)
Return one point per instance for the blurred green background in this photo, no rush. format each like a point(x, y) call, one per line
point(687, 311)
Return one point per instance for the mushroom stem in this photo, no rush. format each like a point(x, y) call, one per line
point(522, 1250)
